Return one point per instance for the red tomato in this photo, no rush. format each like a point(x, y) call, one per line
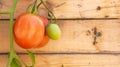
point(44, 41)
point(45, 38)
point(45, 20)
point(28, 30)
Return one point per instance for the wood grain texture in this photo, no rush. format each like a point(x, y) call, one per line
point(66, 9)
point(84, 43)
point(70, 60)
point(77, 36)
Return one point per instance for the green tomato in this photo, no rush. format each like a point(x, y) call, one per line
point(53, 31)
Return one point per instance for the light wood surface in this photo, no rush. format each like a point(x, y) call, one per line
point(77, 36)
point(84, 60)
point(67, 9)
point(90, 42)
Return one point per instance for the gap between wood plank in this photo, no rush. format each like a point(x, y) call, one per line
point(69, 53)
point(81, 19)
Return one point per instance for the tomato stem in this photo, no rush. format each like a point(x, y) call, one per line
point(39, 5)
point(51, 13)
point(50, 18)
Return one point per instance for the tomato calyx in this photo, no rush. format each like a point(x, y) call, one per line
point(33, 8)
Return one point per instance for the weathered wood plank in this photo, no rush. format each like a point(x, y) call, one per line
point(70, 60)
point(70, 8)
point(77, 36)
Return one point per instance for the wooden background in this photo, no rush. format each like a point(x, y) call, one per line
point(90, 34)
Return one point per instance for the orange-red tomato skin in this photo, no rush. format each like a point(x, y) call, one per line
point(44, 41)
point(45, 38)
point(28, 30)
point(45, 20)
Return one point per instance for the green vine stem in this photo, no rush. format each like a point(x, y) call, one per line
point(12, 53)
point(21, 61)
point(50, 12)
point(39, 5)
point(4, 12)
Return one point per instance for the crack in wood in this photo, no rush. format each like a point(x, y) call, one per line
point(61, 4)
point(106, 16)
point(95, 37)
point(102, 7)
point(98, 8)
point(70, 53)
point(79, 5)
point(95, 42)
point(88, 32)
